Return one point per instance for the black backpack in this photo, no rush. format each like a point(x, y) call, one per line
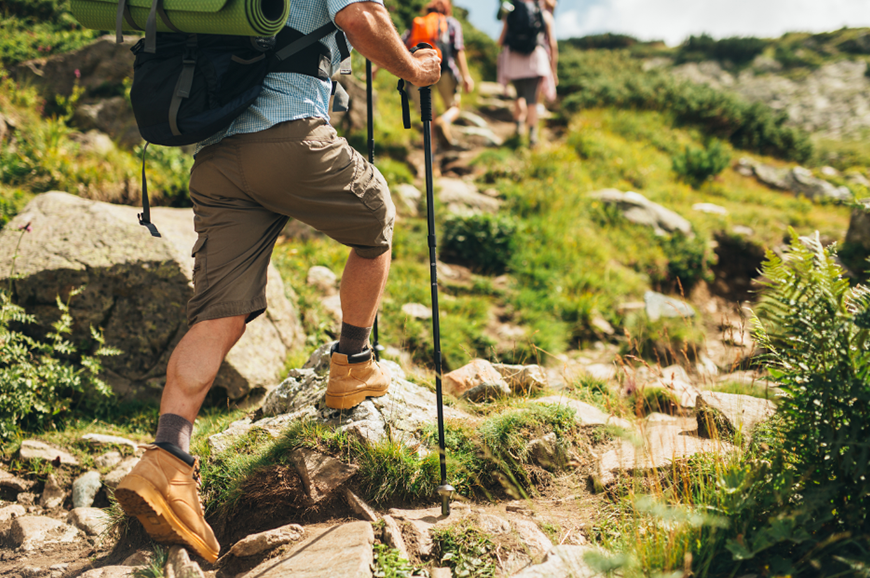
point(525, 25)
point(187, 87)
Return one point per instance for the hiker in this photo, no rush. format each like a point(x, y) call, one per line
point(524, 61)
point(278, 159)
point(440, 29)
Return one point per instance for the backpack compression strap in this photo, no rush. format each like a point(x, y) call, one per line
point(124, 15)
point(145, 215)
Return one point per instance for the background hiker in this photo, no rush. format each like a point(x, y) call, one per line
point(524, 61)
point(439, 28)
point(280, 158)
point(547, 90)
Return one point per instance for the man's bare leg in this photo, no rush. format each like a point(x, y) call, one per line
point(195, 362)
point(362, 285)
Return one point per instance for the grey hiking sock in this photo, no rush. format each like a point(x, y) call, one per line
point(353, 339)
point(174, 429)
point(533, 135)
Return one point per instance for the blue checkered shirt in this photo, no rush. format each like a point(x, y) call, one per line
point(287, 95)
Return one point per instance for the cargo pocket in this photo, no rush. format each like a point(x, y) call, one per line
point(200, 269)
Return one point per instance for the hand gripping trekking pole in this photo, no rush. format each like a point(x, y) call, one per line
point(376, 347)
point(445, 490)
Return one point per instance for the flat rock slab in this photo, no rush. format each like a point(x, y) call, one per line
point(37, 532)
point(268, 540)
point(343, 551)
point(13, 482)
point(114, 477)
point(37, 450)
point(727, 414)
point(108, 460)
point(111, 572)
point(102, 440)
point(586, 414)
point(562, 562)
point(662, 443)
point(91, 521)
point(11, 511)
point(532, 536)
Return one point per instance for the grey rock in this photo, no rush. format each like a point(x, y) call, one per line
point(37, 450)
point(492, 524)
point(417, 311)
point(523, 379)
point(641, 211)
point(532, 537)
point(546, 452)
point(487, 392)
point(319, 360)
point(138, 558)
point(676, 379)
point(321, 475)
point(854, 178)
point(113, 478)
point(481, 136)
point(658, 306)
point(12, 482)
point(710, 209)
point(85, 489)
point(179, 565)
point(392, 536)
point(112, 116)
point(11, 511)
point(476, 373)
point(346, 550)
point(858, 234)
point(91, 521)
point(322, 279)
point(136, 288)
point(38, 532)
point(101, 440)
point(584, 413)
point(108, 460)
point(408, 197)
point(110, 572)
point(221, 442)
point(359, 506)
point(727, 414)
point(562, 562)
point(264, 541)
point(26, 498)
point(802, 182)
point(462, 197)
point(52, 494)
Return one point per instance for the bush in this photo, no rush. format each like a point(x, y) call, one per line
point(697, 165)
point(606, 41)
point(40, 380)
point(35, 29)
point(689, 260)
point(736, 49)
point(484, 243)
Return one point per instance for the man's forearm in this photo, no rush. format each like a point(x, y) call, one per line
point(370, 31)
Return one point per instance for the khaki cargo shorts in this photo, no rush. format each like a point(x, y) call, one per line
point(245, 187)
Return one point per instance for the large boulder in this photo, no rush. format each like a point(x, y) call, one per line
point(94, 67)
point(136, 288)
point(112, 116)
point(727, 414)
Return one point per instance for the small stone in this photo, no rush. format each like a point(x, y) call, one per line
point(138, 558)
point(13, 482)
point(37, 450)
point(658, 306)
point(476, 373)
point(584, 413)
point(179, 565)
point(487, 392)
point(417, 311)
point(114, 477)
point(493, 524)
point(531, 536)
point(440, 573)
point(92, 521)
point(546, 452)
point(100, 440)
point(359, 506)
point(322, 279)
point(26, 498)
point(392, 536)
point(52, 495)
point(601, 325)
point(321, 475)
point(36, 532)
point(269, 540)
point(710, 208)
point(523, 379)
point(108, 460)
point(85, 489)
point(726, 414)
point(12, 511)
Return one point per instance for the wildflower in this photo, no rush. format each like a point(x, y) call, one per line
point(78, 73)
point(26, 228)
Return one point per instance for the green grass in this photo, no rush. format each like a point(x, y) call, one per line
point(466, 550)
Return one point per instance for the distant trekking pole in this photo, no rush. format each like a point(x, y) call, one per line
point(370, 115)
point(445, 490)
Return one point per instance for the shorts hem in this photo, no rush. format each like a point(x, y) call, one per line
point(221, 310)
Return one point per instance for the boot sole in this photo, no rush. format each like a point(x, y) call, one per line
point(353, 399)
point(141, 499)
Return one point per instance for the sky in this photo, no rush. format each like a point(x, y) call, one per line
point(674, 20)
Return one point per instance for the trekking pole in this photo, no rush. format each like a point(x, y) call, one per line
point(370, 115)
point(445, 490)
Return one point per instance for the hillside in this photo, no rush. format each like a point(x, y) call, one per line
point(618, 263)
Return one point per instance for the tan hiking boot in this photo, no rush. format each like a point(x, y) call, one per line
point(162, 491)
point(354, 378)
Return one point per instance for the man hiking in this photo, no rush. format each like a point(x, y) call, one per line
point(279, 159)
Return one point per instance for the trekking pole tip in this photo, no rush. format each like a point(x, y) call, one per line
point(446, 492)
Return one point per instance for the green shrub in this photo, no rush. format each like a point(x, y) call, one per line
point(606, 41)
point(467, 550)
point(37, 29)
point(689, 260)
point(697, 165)
point(484, 243)
point(736, 49)
point(41, 380)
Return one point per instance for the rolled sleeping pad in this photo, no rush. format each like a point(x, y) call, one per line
point(236, 17)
